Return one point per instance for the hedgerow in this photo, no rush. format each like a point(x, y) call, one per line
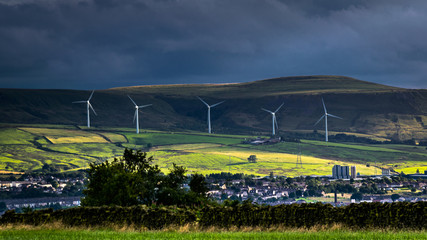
point(403, 215)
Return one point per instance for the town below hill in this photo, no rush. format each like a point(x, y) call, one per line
point(59, 191)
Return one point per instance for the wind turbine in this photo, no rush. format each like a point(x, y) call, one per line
point(273, 116)
point(325, 115)
point(136, 115)
point(88, 105)
point(209, 112)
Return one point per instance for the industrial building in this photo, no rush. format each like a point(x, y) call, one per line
point(340, 172)
point(353, 172)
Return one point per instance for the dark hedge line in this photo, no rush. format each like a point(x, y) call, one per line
point(138, 216)
point(359, 216)
point(364, 215)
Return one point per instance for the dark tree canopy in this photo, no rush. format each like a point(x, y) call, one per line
point(198, 185)
point(133, 180)
point(127, 181)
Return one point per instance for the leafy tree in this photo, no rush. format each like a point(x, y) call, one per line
point(169, 191)
point(395, 196)
point(357, 196)
point(198, 185)
point(249, 181)
point(387, 180)
point(27, 209)
point(55, 184)
point(133, 179)
point(127, 181)
point(3, 206)
point(252, 158)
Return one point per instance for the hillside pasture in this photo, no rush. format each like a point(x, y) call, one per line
point(27, 148)
point(170, 138)
point(114, 137)
point(23, 158)
point(14, 136)
point(58, 136)
point(209, 158)
point(96, 150)
point(382, 155)
point(280, 163)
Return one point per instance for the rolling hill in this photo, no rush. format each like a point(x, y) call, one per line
point(367, 108)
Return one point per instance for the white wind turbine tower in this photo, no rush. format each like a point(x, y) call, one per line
point(325, 115)
point(136, 115)
point(209, 112)
point(88, 105)
point(273, 116)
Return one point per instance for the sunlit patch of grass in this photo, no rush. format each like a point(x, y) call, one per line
point(114, 137)
point(193, 146)
point(176, 138)
point(101, 150)
point(58, 136)
point(409, 168)
point(208, 158)
point(14, 136)
point(23, 158)
point(79, 139)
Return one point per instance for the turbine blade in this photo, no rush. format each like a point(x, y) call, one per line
point(279, 108)
point(275, 120)
point(267, 110)
point(203, 101)
point(134, 116)
point(91, 95)
point(132, 100)
point(324, 107)
point(216, 104)
point(334, 116)
point(90, 105)
point(143, 106)
point(79, 101)
point(319, 120)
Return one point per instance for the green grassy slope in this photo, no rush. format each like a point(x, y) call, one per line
point(26, 148)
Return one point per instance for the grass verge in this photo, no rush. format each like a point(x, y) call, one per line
point(189, 232)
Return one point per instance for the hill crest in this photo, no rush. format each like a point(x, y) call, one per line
point(267, 87)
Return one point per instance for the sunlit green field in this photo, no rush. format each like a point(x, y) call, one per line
point(299, 234)
point(25, 148)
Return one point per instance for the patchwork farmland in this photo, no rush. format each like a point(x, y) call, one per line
point(67, 148)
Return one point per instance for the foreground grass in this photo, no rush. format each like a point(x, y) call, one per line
point(290, 234)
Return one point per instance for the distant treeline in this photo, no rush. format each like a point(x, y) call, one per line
point(402, 215)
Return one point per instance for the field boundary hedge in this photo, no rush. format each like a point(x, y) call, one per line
point(403, 215)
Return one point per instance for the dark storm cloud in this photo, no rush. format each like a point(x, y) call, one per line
point(101, 44)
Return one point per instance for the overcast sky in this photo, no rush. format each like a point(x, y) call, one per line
point(82, 44)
